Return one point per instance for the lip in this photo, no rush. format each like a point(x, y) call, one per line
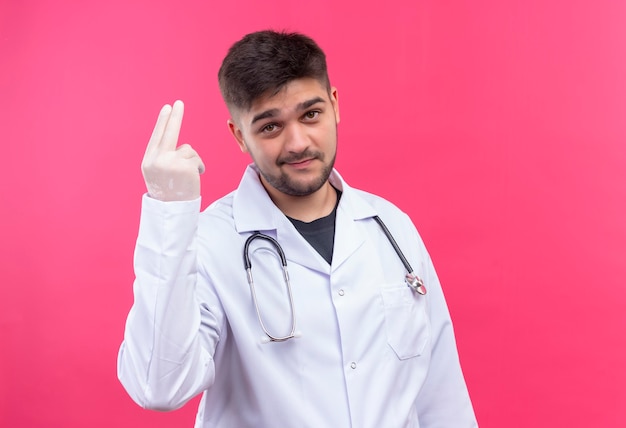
point(301, 164)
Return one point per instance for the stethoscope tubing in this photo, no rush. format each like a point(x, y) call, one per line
point(394, 244)
point(283, 261)
point(412, 280)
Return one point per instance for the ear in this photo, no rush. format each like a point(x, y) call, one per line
point(236, 131)
point(334, 100)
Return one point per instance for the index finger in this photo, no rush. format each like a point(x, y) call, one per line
point(169, 140)
point(159, 127)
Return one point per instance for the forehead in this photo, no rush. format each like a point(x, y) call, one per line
point(291, 96)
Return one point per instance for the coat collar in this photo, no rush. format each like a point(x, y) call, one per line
point(254, 210)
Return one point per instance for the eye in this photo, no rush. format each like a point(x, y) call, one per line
point(269, 128)
point(312, 114)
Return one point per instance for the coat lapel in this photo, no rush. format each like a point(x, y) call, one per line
point(254, 210)
point(350, 231)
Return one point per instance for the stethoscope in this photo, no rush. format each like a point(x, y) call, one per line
point(412, 280)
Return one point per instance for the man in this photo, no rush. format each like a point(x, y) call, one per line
point(339, 341)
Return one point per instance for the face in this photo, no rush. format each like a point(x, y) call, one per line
point(291, 137)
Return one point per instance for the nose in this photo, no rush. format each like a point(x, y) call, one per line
point(296, 138)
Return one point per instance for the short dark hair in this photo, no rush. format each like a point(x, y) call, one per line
point(265, 61)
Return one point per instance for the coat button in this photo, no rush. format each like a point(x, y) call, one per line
point(353, 365)
point(341, 292)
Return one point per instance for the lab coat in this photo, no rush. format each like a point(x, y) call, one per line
point(371, 352)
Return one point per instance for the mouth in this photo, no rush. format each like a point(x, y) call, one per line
point(299, 164)
point(301, 159)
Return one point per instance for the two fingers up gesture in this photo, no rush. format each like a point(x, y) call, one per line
point(171, 172)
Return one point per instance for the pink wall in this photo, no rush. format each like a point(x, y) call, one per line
point(499, 126)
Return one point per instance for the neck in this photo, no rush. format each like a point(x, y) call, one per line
point(307, 208)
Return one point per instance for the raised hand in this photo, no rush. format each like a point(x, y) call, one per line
point(171, 173)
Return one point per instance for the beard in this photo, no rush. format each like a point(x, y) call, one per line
point(292, 187)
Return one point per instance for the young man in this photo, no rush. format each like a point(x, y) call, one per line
point(342, 340)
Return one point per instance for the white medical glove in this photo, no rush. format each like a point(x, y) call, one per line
point(171, 173)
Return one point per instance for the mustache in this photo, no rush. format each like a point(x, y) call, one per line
point(297, 157)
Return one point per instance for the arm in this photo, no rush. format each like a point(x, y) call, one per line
point(444, 400)
point(164, 360)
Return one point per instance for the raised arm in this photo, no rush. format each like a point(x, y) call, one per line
point(169, 340)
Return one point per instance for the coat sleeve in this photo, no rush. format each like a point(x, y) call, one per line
point(166, 357)
point(444, 400)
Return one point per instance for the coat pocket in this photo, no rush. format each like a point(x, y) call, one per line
point(406, 321)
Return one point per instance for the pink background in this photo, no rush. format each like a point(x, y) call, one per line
point(499, 126)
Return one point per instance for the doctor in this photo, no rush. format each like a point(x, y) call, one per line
point(356, 346)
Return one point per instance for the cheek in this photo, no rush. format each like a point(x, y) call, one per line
point(262, 155)
point(330, 139)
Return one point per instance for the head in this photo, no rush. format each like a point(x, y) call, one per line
point(284, 112)
point(262, 63)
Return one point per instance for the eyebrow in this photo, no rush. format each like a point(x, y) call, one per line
point(274, 111)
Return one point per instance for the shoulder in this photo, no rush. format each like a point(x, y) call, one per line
point(361, 200)
point(364, 205)
point(380, 206)
point(218, 215)
point(361, 196)
point(378, 202)
point(221, 206)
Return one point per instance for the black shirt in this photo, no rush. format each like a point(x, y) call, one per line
point(320, 233)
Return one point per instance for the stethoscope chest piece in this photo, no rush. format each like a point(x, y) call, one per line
point(416, 283)
point(412, 280)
